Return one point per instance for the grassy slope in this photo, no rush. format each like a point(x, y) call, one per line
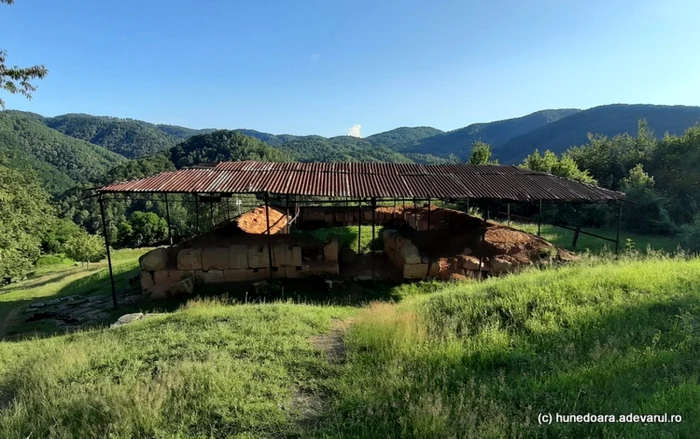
point(483, 360)
point(63, 279)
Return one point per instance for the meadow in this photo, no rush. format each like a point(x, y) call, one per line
point(461, 359)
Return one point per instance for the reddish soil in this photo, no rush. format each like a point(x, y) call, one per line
point(255, 221)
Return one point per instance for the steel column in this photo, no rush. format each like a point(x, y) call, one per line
point(196, 209)
point(428, 213)
point(508, 214)
point(539, 220)
point(105, 231)
point(167, 216)
point(374, 208)
point(359, 226)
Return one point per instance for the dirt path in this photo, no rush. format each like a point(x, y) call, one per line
point(331, 343)
point(310, 405)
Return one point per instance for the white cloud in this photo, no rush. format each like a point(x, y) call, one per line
point(354, 131)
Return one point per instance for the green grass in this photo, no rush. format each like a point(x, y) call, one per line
point(483, 360)
point(348, 236)
point(564, 238)
point(59, 277)
point(207, 370)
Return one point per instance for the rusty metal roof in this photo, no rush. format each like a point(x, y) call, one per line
point(365, 180)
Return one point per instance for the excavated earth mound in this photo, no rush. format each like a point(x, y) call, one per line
point(255, 221)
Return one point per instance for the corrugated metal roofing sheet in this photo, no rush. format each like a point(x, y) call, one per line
point(364, 180)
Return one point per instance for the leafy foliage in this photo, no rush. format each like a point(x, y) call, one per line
point(563, 166)
point(17, 79)
point(398, 138)
point(481, 154)
point(144, 229)
point(340, 149)
point(24, 213)
point(85, 248)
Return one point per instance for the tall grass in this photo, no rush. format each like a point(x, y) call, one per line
point(483, 360)
point(208, 370)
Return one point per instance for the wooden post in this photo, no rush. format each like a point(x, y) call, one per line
point(269, 234)
point(105, 232)
point(619, 224)
point(167, 216)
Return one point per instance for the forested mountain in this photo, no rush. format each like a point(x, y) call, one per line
point(127, 137)
point(340, 149)
point(59, 160)
point(607, 120)
point(183, 132)
point(401, 137)
point(459, 142)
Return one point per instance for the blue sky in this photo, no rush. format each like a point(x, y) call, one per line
point(321, 67)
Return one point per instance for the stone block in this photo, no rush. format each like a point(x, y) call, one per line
point(320, 268)
point(433, 269)
point(295, 259)
point(236, 275)
point(409, 253)
point(470, 262)
point(294, 272)
point(215, 258)
point(329, 217)
point(258, 256)
point(189, 259)
point(184, 287)
point(211, 276)
point(146, 280)
point(500, 265)
point(415, 271)
point(156, 259)
point(237, 257)
point(331, 250)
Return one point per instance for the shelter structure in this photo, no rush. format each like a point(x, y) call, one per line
point(363, 184)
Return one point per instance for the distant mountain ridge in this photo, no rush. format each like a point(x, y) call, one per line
point(74, 148)
point(608, 120)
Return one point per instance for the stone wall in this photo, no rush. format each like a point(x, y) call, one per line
point(219, 259)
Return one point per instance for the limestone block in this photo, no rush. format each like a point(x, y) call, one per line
point(500, 264)
point(258, 256)
point(415, 271)
point(329, 217)
point(215, 258)
point(184, 287)
point(324, 268)
point(156, 259)
point(331, 250)
point(146, 280)
point(470, 263)
point(189, 259)
point(294, 272)
point(236, 275)
point(433, 269)
point(295, 259)
point(409, 253)
point(279, 255)
point(255, 274)
point(237, 257)
point(212, 276)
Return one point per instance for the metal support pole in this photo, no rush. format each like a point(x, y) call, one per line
point(359, 226)
point(483, 238)
point(403, 201)
point(539, 220)
point(374, 208)
point(211, 213)
point(196, 209)
point(105, 232)
point(415, 214)
point(467, 206)
point(269, 234)
point(508, 214)
point(428, 213)
point(167, 216)
point(228, 211)
point(287, 213)
point(619, 224)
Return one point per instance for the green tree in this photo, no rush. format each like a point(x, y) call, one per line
point(16, 79)
point(481, 154)
point(24, 213)
point(647, 213)
point(147, 229)
point(85, 248)
point(57, 233)
point(564, 167)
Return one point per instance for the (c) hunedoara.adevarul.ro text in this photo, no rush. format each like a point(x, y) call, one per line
point(559, 418)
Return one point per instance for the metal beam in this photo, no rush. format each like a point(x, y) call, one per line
point(105, 232)
point(619, 224)
point(269, 234)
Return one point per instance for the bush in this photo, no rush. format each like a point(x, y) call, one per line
point(690, 236)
